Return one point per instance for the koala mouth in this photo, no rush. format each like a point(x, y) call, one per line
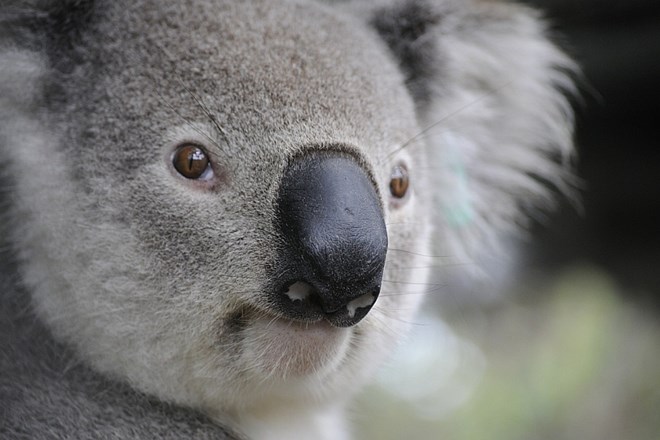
point(280, 347)
point(302, 302)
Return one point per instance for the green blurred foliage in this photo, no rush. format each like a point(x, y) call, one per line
point(569, 360)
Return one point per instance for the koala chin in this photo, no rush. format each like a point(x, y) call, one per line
point(221, 215)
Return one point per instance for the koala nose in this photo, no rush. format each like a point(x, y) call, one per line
point(335, 241)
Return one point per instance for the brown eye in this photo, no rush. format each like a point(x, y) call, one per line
point(399, 182)
point(190, 161)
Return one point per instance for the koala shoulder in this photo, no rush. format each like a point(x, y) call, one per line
point(220, 213)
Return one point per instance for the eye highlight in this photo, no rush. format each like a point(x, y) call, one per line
point(191, 161)
point(399, 182)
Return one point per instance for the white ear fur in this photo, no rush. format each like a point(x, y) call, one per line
point(501, 136)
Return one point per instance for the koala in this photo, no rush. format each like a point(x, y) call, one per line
point(220, 217)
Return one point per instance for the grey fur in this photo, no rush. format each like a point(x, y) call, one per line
point(153, 286)
point(46, 393)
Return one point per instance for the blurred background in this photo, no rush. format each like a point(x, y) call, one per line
point(572, 349)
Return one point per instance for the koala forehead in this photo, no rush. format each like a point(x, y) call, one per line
point(267, 80)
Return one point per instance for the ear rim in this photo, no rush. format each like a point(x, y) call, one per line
point(407, 27)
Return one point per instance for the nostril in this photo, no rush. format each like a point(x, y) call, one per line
point(299, 291)
point(304, 301)
point(301, 301)
point(366, 300)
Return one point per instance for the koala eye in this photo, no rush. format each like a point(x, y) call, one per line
point(399, 182)
point(191, 161)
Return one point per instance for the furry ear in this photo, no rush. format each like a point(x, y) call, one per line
point(49, 26)
point(491, 95)
point(407, 29)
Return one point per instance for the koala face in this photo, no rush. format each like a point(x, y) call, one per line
point(230, 205)
point(231, 200)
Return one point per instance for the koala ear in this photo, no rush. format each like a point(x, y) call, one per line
point(53, 26)
point(491, 97)
point(408, 28)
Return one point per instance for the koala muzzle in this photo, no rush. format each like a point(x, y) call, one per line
point(330, 263)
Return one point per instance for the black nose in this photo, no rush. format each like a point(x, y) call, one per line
point(332, 257)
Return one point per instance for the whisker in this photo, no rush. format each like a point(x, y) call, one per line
point(445, 119)
point(405, 251)
point(207, 111)
point(412, 283)
point(395, 317)
point(405, 224)
point(190, 123)
point(392, 293)
point(400, 294)
point(439, 266)
point(198, 101)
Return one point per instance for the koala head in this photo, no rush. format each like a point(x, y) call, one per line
point(234, 205)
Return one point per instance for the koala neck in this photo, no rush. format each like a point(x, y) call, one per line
point(295, 421)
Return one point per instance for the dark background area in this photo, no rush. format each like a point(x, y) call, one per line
point(617, 44)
